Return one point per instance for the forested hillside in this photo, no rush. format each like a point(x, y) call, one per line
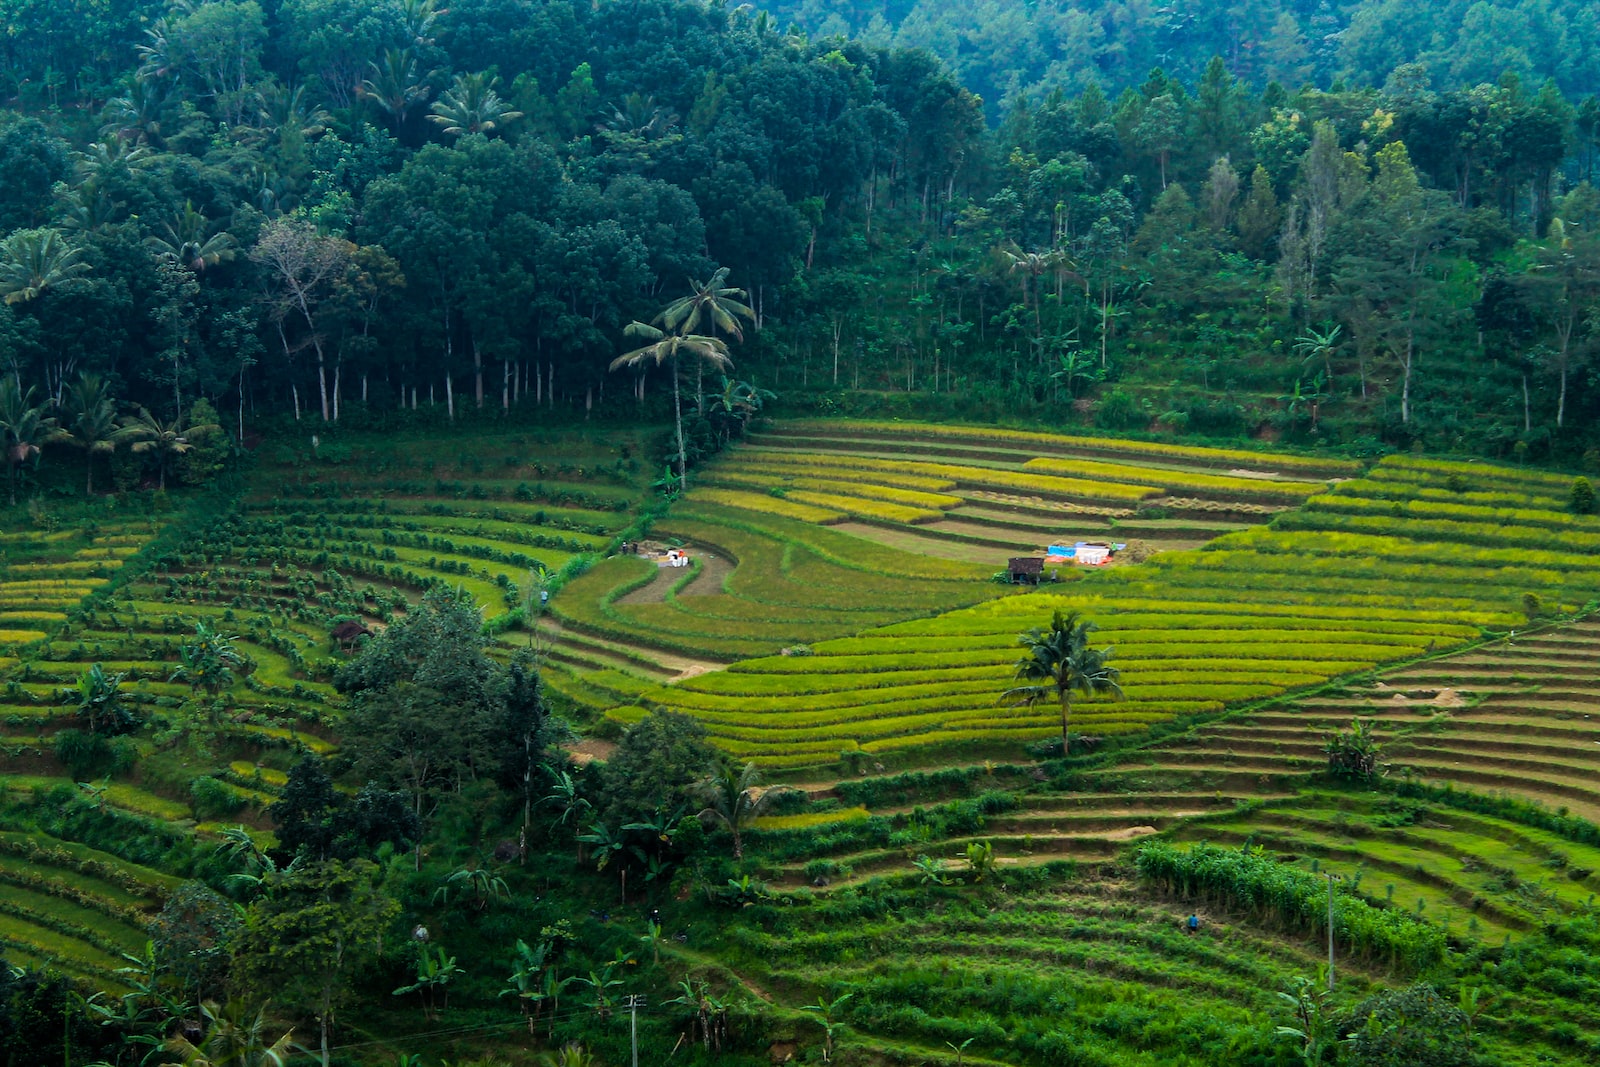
point(323, 209)
point(1005, 46)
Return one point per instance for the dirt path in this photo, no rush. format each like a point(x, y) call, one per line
point(707, 582)
point(701, 959)
point(714, 571)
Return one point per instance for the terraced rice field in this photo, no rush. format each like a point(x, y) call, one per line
point(981, 493)
point(358, 532)
point(1360, 575)
point(1098, 967)
point(72, 907)
point(1487, 873)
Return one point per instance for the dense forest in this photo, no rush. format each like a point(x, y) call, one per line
point(322, 209)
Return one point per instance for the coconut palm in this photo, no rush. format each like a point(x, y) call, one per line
point(136, 115)
point(712, 306)
point(732, 798)
point(395, 87)
point(88, 208)
point(32, 261)
point(1059, 661)
point(191, 239)
point(110, 156)
point(472, 106)
point(235, 1037)
point(94, 425)
point(165, 441)
point(671, 346)
point(24, 429)
point(290, 110)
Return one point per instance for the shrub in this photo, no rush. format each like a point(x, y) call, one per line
point(1581, 499)
point(90, 755)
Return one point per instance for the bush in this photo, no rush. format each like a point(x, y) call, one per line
point(1581, 499)
point(213, 799)
point(1413, 1027)
point(89, 755)
point(1119, 411)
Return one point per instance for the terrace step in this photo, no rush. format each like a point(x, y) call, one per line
point(1581, 799)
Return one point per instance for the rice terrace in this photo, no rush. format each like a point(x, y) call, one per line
point(838, 622)
point(685, 533)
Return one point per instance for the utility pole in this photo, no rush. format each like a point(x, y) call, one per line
point(1331, 879)
point(635, 1002)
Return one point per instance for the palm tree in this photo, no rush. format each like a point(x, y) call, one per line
point(136, 115)
point(732, 798)
point(395, 88)
point(667, 347)
point(88, 208)
point(1034, 266)
point(290, 110)
point(31, 261)
point(24, 429)
point(1060, 661)
point(95, 427)
point(111, 156)
point(472, 106)
point(712, 306)
point(234, 1038)
point(192, 239)
point(165, 441)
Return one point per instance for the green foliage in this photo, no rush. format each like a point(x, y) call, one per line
point(1294, 898)
point(1411, 1027)
point(656, 765)
point(1581, 499)
point(1354, 753)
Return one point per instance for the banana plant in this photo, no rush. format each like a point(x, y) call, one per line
point(435, 972)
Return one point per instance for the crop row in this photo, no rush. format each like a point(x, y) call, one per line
point(1179, 481)
point(1350, 501)
point(870, 490)
point(767, 505)
point(1231, 457)
point(1020, 481)
point(862, 508)
point(827, 465)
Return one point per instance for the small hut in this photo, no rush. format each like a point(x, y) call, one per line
point(347, 633)
point(1027, 569)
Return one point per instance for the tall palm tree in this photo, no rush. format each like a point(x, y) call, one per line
point(713, 307)
point(136, 115)
point(1033, 266)
point(732, 798)
point(94, 427)
point(88, 208)
point(32, 261)
point(1059, 661)
point(165, 441)
point(191, 239)
point(24, 428)
point(472, 106)
point(395, 87)
point(110, 156)
point(664, 347)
